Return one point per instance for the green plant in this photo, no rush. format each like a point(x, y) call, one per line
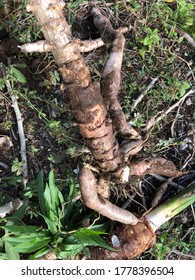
point(139, 120)
point(150, 41)
point(164, 144)
point(57, 232)
point(184, 13)
point(53, 80)
point(181, 13)
point(14, 75)
point(25, 30)
point(174, 89)
point(17, 167)
point(8, 181)
point(166, 242)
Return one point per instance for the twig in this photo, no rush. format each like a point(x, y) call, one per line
point(128, 201)
point(160, 192)
point(180, 254)
point(171, 183)
point(191, 72)
point(192, 155)
point(4, 165)
point(19, 120)
point(174, 121)
point(189, 231)
point(141, 96)
point(154, 120)
point(182, 33)
point(142, 195)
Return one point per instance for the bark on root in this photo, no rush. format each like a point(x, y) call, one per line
point(95, 201)
point(111, 76)
point(159, 166)
point(85, 97)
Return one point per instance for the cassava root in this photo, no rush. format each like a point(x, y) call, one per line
point(94, 201)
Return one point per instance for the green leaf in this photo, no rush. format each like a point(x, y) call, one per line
point(25, 237)
point(82, 238)
point(70, 204)
point(101, 227)
point(88, 239)
point(136, 5)
point(17, 74)
point(20, 228)
point(61, 198)
point(78, 242)
point(47, 199)
point(147, 41)
point(142, 52)
point(11, 254)
point(32, 246)
point(70, 247)
point(40, 190)
point(186, 85)
point(27, 243)
point(40, 253)
point(52, 224)
point(3, 256)
point(2, 83)
point(91, 231)
point(69, 254)
point(53, 192)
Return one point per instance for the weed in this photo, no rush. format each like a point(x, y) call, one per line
point(138, 120)
point(150, 41)
point(175, 89)
point(56, 232)
point(53, 80)
point(17, 167)
point(26, 29)
point(167, 243)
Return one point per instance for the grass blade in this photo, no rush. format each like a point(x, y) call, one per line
point(40, 190)
point(53, 191)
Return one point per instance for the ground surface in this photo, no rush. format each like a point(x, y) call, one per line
point(152, 50)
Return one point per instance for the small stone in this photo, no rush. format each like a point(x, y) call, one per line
point(188, 101)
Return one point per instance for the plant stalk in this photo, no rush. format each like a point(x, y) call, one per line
point(169, 209)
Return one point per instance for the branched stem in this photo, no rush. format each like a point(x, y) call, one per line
point(154, 120)
point(19, 120)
